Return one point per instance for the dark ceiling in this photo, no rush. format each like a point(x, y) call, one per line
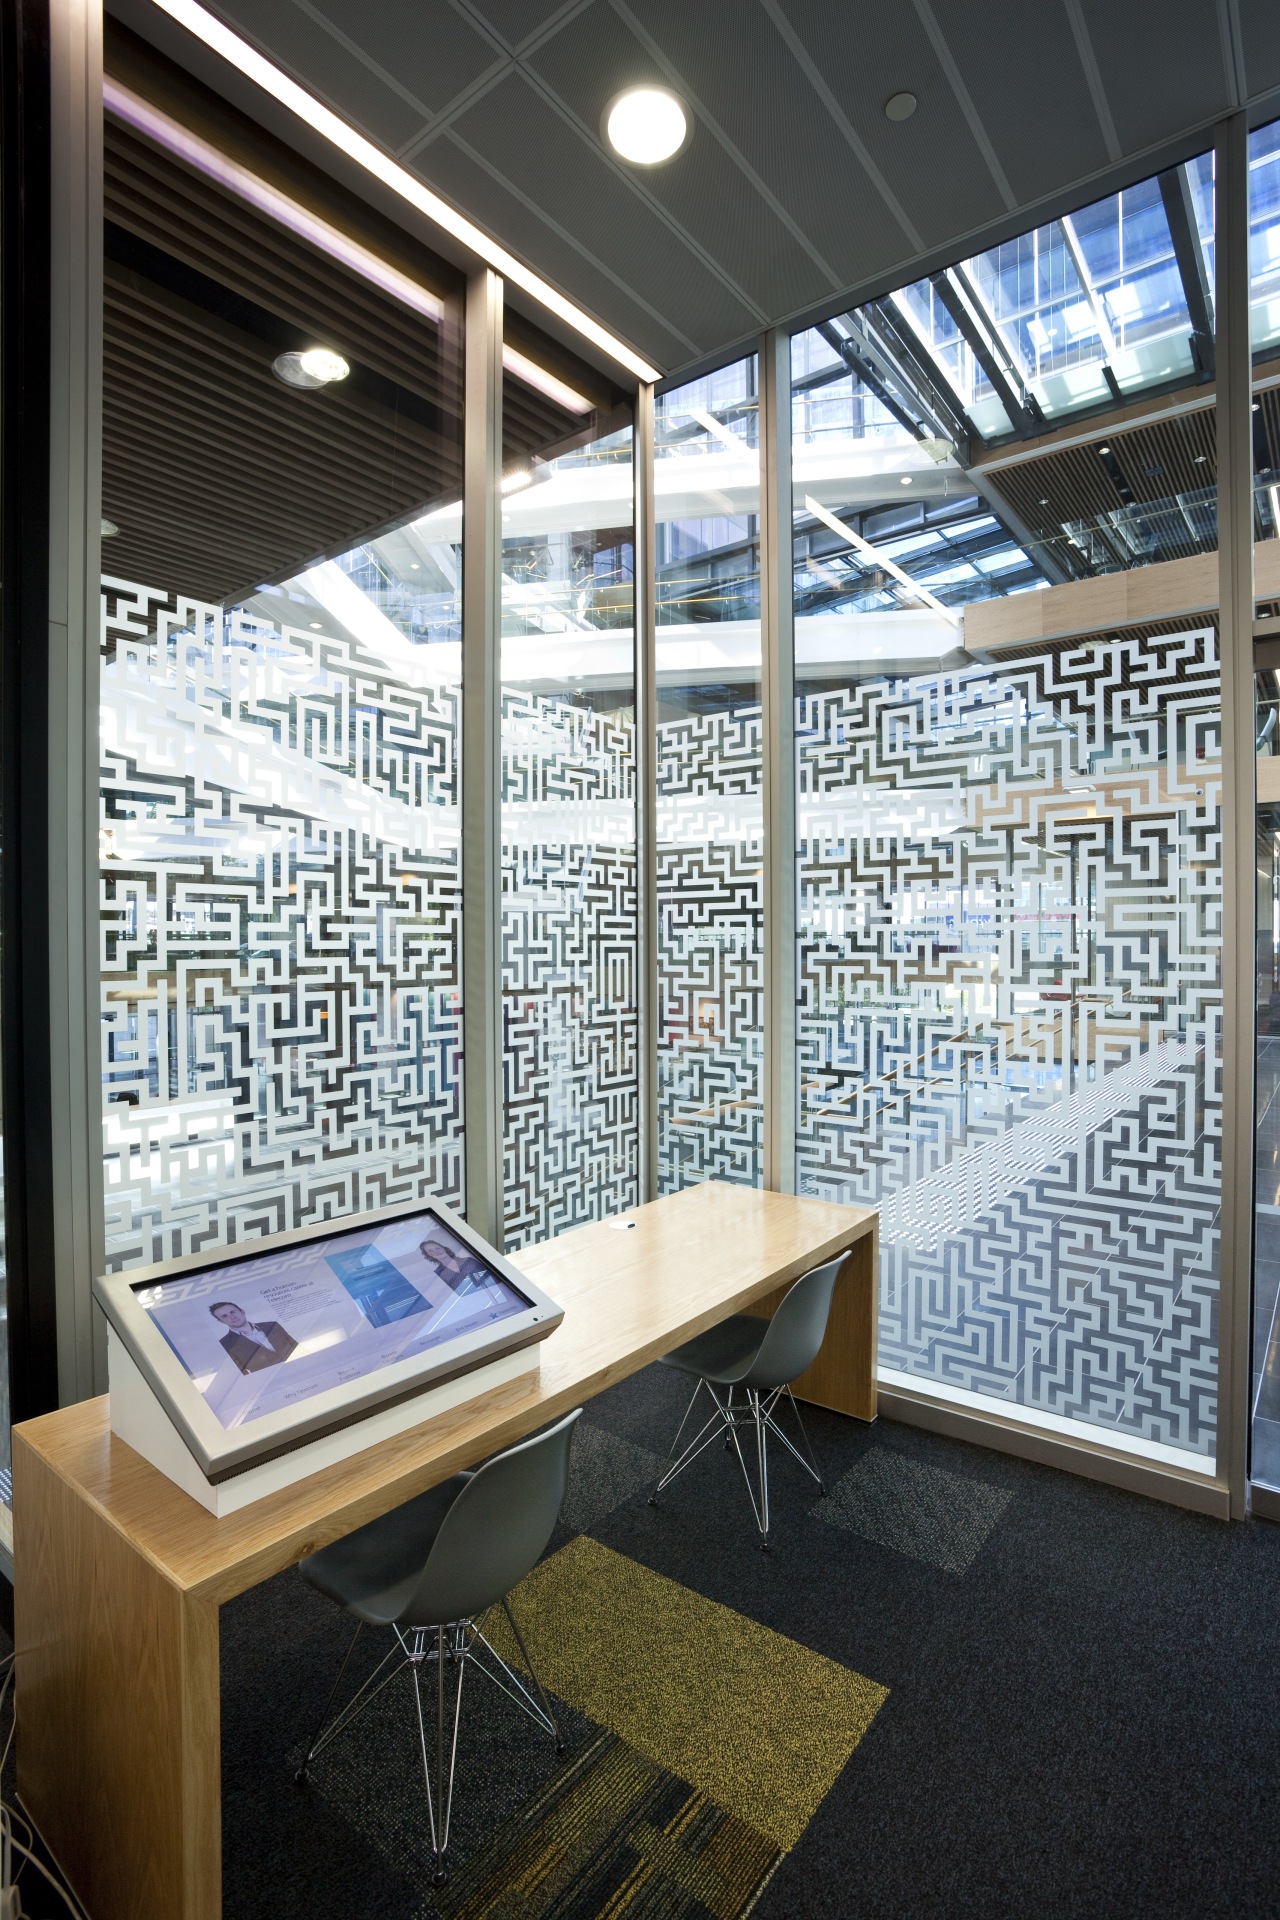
point(794, 192)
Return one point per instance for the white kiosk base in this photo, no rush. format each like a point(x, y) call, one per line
point(140, 1421)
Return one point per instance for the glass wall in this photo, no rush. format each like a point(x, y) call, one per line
point(281, 904)
point(1009, 873)
point(709, 770)
point(569, 896)
point(1264, 261)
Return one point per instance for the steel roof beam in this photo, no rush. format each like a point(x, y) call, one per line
point(1179, 211)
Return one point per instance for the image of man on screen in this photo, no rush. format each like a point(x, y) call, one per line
point(458, 1269)
point(252, 1344)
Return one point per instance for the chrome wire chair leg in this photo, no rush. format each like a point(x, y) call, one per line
point(812, 1462)
point(710, 1430)
point(532, 1672)
point(363, 1696)
point(450, 1644)
point(759, 1503)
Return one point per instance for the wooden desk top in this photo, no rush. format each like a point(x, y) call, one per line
point(628, 1296)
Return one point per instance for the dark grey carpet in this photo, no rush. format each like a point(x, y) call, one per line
point(1083, 1722)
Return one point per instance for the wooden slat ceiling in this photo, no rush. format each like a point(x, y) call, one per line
point(217, 474)
point(1154, 465)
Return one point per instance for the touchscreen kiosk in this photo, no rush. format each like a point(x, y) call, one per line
point(266, 1351)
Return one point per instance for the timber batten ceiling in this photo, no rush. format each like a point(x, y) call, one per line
point(217, 475)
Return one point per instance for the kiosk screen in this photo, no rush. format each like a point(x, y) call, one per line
point(260, 1335)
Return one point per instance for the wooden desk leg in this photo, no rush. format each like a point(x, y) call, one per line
point(118, 1751)
point(843, 1377)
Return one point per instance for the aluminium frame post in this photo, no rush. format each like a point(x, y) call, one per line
point(70, 1187)
point(777, 671)
point(1236, 614)
point(645, 615)
point(482, 754)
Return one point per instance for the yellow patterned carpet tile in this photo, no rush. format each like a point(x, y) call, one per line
point(760, 1724)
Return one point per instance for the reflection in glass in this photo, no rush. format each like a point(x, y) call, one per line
point(710, 806)
point(571, 1113)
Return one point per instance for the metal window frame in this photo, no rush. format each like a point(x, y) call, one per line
point(482, 755)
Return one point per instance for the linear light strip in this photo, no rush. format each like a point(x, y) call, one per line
point(206, 159)
point(879, 559)
point(259, 193)
point(322, 120)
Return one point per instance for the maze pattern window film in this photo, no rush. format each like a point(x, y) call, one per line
point(1009, 1024)
point(281, 1008)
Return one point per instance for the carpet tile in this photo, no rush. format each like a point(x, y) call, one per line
point(941, 1518)
point(613, 1833)
point(604, 1470)
point(760, 1724)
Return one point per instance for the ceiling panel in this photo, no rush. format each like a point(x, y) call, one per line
point(389, 113)
point(708, 311)
point(866, 52)
point(527, 141)
point(703, 189)
point(433, 52)
point(759, 94)
point(1260, 32)
point(1003, 65)
point(1162, 67)
point(516, 20)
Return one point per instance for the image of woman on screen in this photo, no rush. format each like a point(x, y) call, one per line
point(458, 1269)
point(252, 1344)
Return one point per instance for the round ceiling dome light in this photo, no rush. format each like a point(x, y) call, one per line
point(900, 106)
point(646, 125)
point(316, 367)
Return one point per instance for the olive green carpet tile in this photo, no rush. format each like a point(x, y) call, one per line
point(613, 1833)
point(758, 1723)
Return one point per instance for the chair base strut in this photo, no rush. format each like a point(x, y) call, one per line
point(751, 1413)
point(451, 1650)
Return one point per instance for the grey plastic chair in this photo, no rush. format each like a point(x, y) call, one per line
point(430, 1570)
point(757, 1360)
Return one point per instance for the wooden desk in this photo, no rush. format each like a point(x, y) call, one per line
point(120, 1575)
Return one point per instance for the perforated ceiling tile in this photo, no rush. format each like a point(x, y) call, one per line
point(432, 51)
point(1260, 32)
point(753, 86)
point(516, 20)
point(564, 172)
point(1004, 67)
point(1162, 66)
point(867, 52)
point(389, 112)
point(712, 199)
point(709, 314)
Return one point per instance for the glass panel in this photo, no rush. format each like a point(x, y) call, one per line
point(1009, 878)
point(1264, 237)
point(710, 802)
point(280, 703)
point(1074, 315)
point(569, 971)
point(1264, 222)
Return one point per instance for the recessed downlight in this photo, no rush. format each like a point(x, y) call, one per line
point(316, 367)
point(646, 125)
point(109, 529)
point(906, 480)
point(900, 106)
